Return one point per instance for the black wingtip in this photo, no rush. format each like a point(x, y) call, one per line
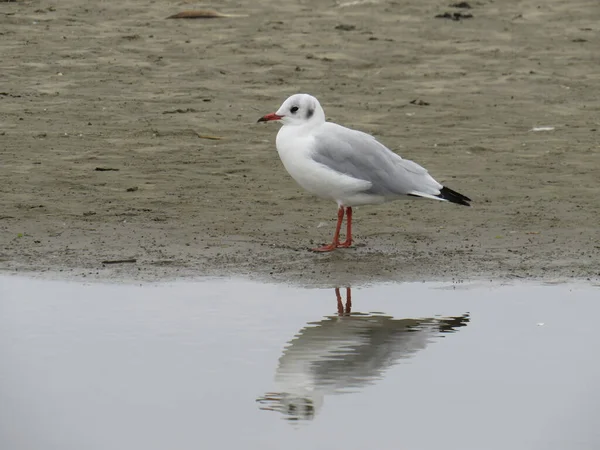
point(454, 197)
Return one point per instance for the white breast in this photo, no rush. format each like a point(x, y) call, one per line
point(295, 148)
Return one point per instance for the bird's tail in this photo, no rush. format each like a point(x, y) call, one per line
point(453, 197)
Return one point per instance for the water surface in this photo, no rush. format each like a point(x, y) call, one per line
point(236, 364)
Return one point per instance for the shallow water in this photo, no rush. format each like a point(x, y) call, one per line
point(236, 364)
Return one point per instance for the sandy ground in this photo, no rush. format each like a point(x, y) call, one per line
point(114, 85)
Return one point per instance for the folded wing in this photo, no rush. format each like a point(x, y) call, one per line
point(361, 156)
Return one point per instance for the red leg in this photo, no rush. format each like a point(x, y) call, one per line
point(336, 237)
point(348, 242)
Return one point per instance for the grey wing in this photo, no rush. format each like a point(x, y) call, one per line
point(361, 156)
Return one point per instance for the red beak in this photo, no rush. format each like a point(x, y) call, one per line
point(270, 117)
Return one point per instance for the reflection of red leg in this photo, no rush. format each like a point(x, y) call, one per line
point(340, 306)
point(348, 300)
point(336, 236)
point(348, 241)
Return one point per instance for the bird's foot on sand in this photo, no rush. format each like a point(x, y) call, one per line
point(345, 244)
point(331, 247)
point(325, 248)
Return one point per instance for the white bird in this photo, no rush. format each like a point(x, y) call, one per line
point(348, 166)
point(347, 353)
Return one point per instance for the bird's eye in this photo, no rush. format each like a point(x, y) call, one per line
point(293, 109)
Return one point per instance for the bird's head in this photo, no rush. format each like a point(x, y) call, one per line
point(299, 109)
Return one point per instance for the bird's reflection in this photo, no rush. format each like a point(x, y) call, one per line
point(345, 353)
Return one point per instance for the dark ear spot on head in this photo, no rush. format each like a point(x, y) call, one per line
point(309, 113)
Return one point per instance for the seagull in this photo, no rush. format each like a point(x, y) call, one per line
point(345, 165)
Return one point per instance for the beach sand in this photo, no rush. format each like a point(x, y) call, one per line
point(196, 186)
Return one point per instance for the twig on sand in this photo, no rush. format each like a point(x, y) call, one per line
point(203, 14)
point(208, 136)
point(119, 261)
point(356, 3)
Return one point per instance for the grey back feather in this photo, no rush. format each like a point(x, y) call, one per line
point(361, 156)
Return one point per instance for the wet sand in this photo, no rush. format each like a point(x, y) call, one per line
point(115, 85)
